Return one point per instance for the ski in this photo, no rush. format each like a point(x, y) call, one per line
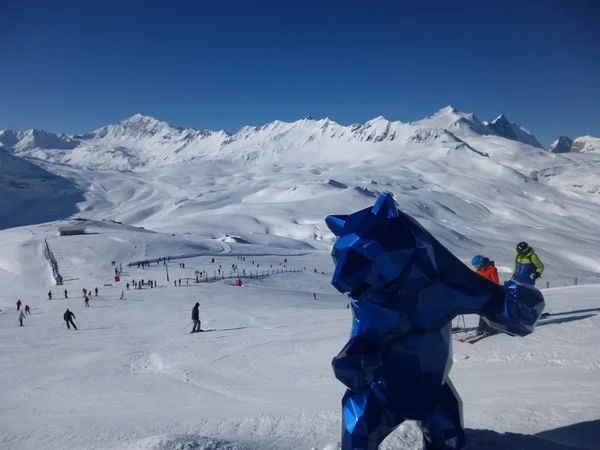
point(482, 336)
point(203, 331)
point(468, 336)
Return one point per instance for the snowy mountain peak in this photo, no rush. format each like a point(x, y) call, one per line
point(447, 110)
point(586, 144)
point(143, 120)
point(510, 130)
point(455, 121)
point(8, 138)
point(561, 145)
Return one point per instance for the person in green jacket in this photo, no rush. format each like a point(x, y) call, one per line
point(527, 266)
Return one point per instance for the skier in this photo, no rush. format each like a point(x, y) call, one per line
point(66, 296)
point(50, 295)
point(196, 318)
point(19, 305)
point(122, 295)
point(127, 286)
point(487, 269)
point(68, 317)
point(87, 300)
point(21, 317)
point(27, 310)
point(96, 291)
point(315, 295)
point(527, 266)
point(84, 291)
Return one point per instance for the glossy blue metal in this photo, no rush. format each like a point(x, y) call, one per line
point(405, 288)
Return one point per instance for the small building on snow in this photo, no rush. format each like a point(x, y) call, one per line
point(71, 230)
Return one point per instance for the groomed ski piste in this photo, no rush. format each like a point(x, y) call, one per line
point(133, 377)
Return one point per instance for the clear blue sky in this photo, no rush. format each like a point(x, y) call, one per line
point(73, 66)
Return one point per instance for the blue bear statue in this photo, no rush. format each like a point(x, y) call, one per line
point(405, 288)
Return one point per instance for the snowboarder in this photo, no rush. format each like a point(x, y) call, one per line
point(68, 317)
point(66, 294)
point(122, 295)
point(96, 291)
point(487, 269)
point(527, 266)
point(21, 317)
point(50, 295)
point(196, 318)
point(27, 310)
point(19, 305)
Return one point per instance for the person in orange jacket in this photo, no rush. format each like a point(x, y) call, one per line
point(487, 269)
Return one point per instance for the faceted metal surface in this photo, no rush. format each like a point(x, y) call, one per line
point(405, 288)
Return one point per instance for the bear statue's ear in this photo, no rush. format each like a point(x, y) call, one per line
point(336, 224)
point(385, 206)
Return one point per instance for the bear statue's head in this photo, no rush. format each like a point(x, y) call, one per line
point(375, 246)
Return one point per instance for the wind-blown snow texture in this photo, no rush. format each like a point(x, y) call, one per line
point(132, 379)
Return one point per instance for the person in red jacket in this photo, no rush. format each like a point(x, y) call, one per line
point(487, 269)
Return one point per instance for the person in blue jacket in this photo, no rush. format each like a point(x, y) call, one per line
point(527, 266)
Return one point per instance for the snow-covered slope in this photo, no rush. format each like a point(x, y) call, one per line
point(31, 194)
point(132, 377)
point(586, 144)
point(561, 145)
point(510, 130)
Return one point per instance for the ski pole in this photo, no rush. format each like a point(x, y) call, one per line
point(187, 326)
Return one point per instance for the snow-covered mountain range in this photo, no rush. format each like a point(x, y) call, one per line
point(145, 141)
point(446, 169)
